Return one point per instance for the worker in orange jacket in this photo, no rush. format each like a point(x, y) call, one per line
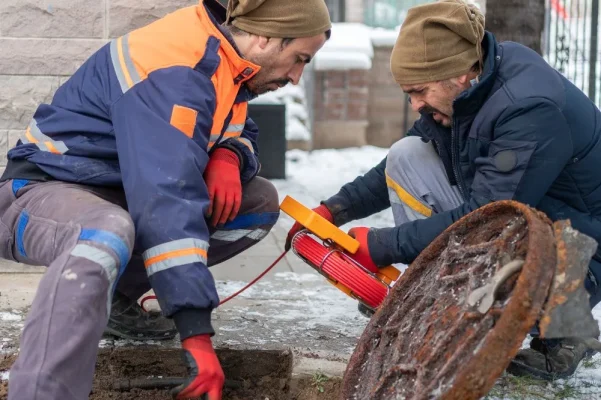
point(141, 173)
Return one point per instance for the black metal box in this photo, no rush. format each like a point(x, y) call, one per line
point(271, 120)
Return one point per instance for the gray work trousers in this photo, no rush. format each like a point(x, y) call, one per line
point(418, 185)
point(86, 238)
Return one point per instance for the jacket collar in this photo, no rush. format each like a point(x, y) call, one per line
point(215, 12)
point(471, 100)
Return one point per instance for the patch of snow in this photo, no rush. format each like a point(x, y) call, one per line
point(293, 276)
point(232, 328)
point(227, 288)
point(297, 118)
point(4, 375)
point(350, 47)
point(7, 316)
point(317, 175)
point(384, 37)
point(339, 61)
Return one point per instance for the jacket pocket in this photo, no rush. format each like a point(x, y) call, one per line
point(499, 173)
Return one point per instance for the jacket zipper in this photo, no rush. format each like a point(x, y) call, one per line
point(455, 161)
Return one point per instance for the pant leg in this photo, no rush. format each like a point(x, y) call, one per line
point(258, 213)
point(417, 182)
point(85, 241)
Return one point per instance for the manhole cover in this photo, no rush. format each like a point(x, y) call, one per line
point(425, 342)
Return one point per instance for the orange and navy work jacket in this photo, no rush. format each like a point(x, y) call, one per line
point(144, 113)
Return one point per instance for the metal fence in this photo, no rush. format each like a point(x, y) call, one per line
point(571, 43)
point(388, 13)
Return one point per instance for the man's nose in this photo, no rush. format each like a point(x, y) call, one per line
point(416, 105)
point(295, 74)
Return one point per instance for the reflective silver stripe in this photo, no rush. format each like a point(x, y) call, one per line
point(184, 251)
point(98, 256)
point(129, 63)
point(212, 139)
point(234, 128)
point(231, 128)
point(230, 236)
point(42, 140)
point(117, 66)
point(258, 234)
point(106, 261)
point(247, 143)
point(127, 69)
point(237, 234)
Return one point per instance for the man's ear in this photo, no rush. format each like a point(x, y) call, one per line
point(262, 41)
point(463, 79)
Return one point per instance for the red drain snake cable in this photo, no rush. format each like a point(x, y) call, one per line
point(341, 269)
point(153, 297)
point(332, 264)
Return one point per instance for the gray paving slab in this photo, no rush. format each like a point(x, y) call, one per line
point(11, 267)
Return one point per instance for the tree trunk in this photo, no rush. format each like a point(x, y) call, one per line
point(521, 21)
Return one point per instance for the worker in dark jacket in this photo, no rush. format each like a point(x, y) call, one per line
point(497, 123)
point(147, 150)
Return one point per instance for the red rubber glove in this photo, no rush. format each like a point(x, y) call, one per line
point(362, 255)
point(222, 177)
point(321, 210)
point(205, 375)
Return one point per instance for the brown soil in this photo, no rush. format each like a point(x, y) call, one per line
point(251, 375)
point(307, 389)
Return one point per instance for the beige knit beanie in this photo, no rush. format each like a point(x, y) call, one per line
point(437, 41)
point(280, 18)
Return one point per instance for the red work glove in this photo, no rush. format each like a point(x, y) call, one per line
point(205, 375)
point(321, 210)
point(362, 255)
point(222, 177)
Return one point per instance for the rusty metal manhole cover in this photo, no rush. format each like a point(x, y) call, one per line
point(425, 341)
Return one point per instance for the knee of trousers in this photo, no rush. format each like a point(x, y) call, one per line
point(107, 238)
point(408, 152)
point(262, 196)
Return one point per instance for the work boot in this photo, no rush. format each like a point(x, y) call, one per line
point(550, 359)
point(129, 321)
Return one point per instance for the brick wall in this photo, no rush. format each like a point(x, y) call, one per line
point(360, 107)
point(340, 108)
point(387, 103)
point(43, 42)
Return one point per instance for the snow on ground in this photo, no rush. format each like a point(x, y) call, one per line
point(317, 175)
point(9, 316)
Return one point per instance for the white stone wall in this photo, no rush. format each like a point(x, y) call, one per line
point(354, 10)
point(42, 42)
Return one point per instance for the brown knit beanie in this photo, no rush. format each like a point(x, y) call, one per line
point(437, 41)
point(279, 18)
